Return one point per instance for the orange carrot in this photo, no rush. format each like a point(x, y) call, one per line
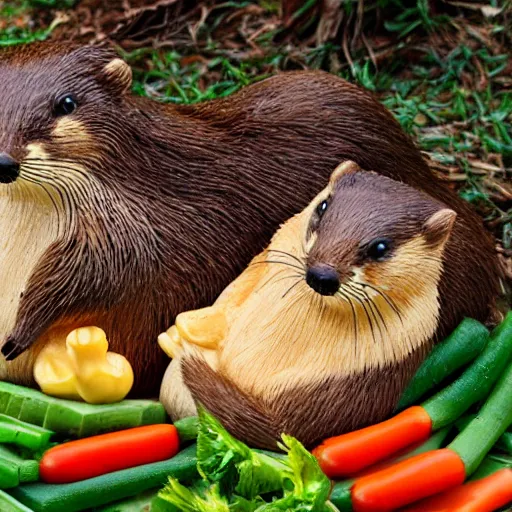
point(106, 453)
point(408, 481)
point(432, 443)
point(485, 495)
point(344, 455)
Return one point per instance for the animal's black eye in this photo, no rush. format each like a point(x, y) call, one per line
point(320, 209)
point(65, 105)
point(378, 249)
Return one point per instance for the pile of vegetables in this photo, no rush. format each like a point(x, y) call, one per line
point(451, 453)
point(380, 483)
point(235, 477)
point(124, 449)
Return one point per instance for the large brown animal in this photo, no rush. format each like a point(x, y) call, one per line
point(121, 212)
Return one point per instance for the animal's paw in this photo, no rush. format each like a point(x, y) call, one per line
point(12, 348)
point(170, 342)
point(205, 328)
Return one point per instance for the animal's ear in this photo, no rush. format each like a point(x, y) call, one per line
point(438, 226)
point(344, 168)
point(118, 76)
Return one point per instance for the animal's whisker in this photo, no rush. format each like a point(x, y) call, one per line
point(47, 192)
point(373, 307)
point(73, 171)
point(50, 161)
point(391, 303)
point(291, 288)
point(296, 258)
point(277, 262)
point(361, 302)
point(70, 196)
point(77, 185)
point(365, 294)
point(42, 161)
point(322, 304)
point(289, 277)
point(52, 165)
point(354, 313)
point(295, 275)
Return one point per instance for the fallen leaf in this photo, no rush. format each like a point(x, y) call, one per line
point(490, 12)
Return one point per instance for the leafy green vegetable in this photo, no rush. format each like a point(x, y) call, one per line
point(189, 500)
point(310, 487)
point(236, 478)
point(224, 459)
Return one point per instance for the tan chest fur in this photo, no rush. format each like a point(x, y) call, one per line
point(29, 224)
point(323, 335)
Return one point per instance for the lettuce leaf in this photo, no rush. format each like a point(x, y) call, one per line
point(178, 498)
point(223, 459)
point(308, 479)
point(183, 499)
point(310, 488)
point(237, 478)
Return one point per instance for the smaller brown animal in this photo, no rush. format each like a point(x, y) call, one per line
point(325, 328)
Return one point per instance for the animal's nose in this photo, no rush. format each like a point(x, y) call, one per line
point(323, 279)
point(9, 168)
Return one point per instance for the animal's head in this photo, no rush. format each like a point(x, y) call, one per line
point(368, 235)
point(57, 104)
point(63, 128)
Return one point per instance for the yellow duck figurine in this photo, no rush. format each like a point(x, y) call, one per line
point(83, 369)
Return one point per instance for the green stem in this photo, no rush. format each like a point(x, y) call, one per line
point(505, 442)
point(475, 383)
point(14, 469)
point(10, 504)
point(341, 496)
point(187, 428)
point(476, 440)
point(432, 443)
point(491, 464)
point(23, 434)
point(460, 348)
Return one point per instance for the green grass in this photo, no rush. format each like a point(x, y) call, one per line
point(16, 24)
point(451, 100)
point(165, 78)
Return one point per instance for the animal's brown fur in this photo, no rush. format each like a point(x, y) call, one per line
point(309, 413)
point(161, 206)
point(284, 358)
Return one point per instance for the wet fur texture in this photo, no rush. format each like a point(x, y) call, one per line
point(159, 207)
point(272, 355)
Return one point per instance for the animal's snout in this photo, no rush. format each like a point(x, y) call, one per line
point(9, 168)
point(324, 279)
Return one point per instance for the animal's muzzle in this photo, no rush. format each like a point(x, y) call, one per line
point(324, 279)
point(9, 168)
